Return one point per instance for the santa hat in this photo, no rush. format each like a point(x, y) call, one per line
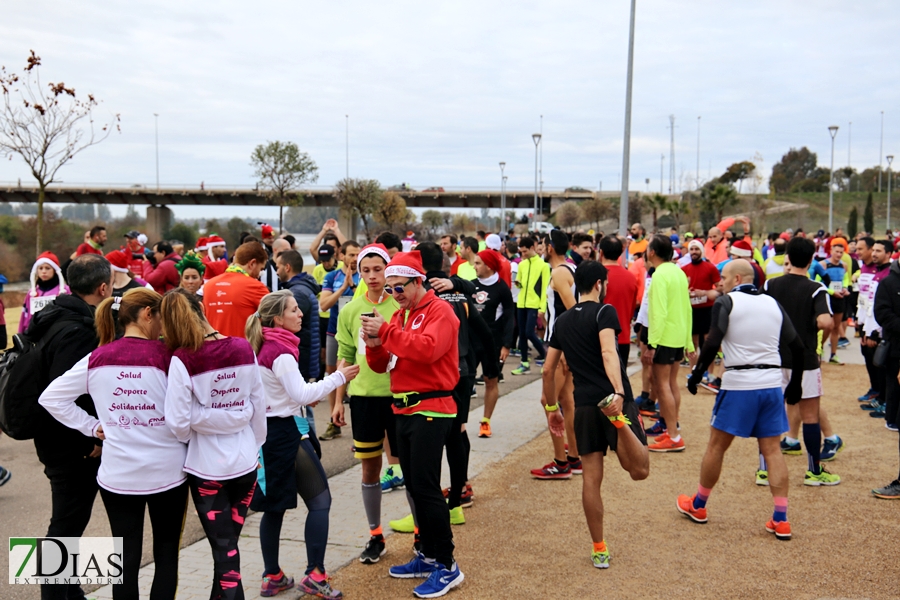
point(118, 261)
point(373, 249)
point(142, 239)
point(267, 230)
point(211, 242)
point(741, 249)
point(493, 242)
point(46, 258)
point(491, 259)
point(697, 243)
point(406, 264)
point(201, 244)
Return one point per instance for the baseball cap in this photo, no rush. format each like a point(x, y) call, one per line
point(133, 234)
point(326, 252)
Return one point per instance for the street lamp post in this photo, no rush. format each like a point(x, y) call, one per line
point(890, 159)
point(156, 124)
point(537, 142)
point(626, 145)
point(502, 198)
point(833, 131)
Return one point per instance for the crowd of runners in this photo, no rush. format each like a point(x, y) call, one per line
point(170, 373)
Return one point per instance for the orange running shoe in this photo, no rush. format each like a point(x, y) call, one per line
point(685, 506)
point(484, 430)
point(665, 444)
point(782, 529)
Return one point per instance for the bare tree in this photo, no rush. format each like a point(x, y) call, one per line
point(391, 210)
point(47, 126)
point(568, 214)
point(596, 210)
point(359, 198)
point(280, 167)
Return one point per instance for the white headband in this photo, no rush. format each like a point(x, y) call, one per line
point(368, 251)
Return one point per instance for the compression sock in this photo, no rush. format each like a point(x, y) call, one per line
point(812, 439)
point(762, 464)
point(600, 546)
point(702, 496)
point(371, 497)
point(318, 577)
point(780, 513)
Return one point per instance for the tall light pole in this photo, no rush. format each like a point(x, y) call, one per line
point(347, 144)
point(537, 142)
point(880, 151)
point(662, 160)
point(502, 198)
point(890, 159)
point(626, 146)
point(833, 131)
point(541, 160)
point(698, 153)
point(505, 220)
point(156, 124)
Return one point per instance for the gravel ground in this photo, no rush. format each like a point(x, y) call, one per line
point(520, 526)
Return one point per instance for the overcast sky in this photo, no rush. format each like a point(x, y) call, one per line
point(439, 92)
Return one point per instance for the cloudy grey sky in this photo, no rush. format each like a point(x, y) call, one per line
point(439, 92)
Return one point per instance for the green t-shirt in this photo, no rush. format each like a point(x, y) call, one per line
point(352, 348)
point(467, 271)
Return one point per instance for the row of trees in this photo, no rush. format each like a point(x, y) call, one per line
point(798, 171)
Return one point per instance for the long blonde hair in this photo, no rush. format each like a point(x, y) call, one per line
point(183, 320)
point(271, 306)
point(114, 314)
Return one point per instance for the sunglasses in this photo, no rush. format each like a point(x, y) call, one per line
point(397, 289)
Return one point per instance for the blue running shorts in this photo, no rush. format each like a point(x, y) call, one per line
point(750, 413)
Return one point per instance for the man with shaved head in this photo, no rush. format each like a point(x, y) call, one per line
point(750, 328)
point(716, 246)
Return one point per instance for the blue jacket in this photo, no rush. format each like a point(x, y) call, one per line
point(305, 290)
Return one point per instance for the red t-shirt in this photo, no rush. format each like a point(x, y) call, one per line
point(87, 249)
point(702, 276)
point(621, 294)
point(229, 299)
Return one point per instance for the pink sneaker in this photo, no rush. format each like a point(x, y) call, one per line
point(273, 585)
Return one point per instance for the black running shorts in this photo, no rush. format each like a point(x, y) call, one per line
point(595, 433)
point(701, 320)
point(838, 305)
point(371, 417)
point(667, 356)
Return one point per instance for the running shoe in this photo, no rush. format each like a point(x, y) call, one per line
point(390, 481)
point(405, 525)
point(523, 369)
point(275, 584)
point(792, 448)
point(712, 386)
point(762, 477)
point(685, 506)
point(479, 380)
point(834, 360)
point(843, 342)
point(868, 396)
point(658, 428)
point(552, 471)
point(321, 589)
point(830, 449)
point(5, 476)
point(457, 517)
point(575, 466)
point(440, 582)
point(331, 432)
point(665, 444)
point(466, 498)
point(823, 478)
point(374, 550)
point(781, 529)
point(874, 405)
point(878, 414)
point(889, 492)
point(484, 429)
point(539, 362)
point(685, 363)
point(891, 426)
point(418, 568)
point(600, 559)
point(515, 352)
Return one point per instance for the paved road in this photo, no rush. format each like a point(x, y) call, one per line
point(25, 501)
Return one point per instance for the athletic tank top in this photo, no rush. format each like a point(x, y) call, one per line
point(555, 305)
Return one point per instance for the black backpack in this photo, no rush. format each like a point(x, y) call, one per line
point(23, 377)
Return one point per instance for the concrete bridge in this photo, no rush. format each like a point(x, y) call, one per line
point(159, 213)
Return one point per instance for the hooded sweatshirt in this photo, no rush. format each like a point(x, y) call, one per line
point(38, 298)
point(306, 291)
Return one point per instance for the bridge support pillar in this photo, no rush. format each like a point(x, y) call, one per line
point(159, 221)
point(348, 226)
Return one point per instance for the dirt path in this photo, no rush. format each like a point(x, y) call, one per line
point(527, 539)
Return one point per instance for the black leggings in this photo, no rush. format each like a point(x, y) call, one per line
point(222, 507)
point(312, 485)
point(126, 519)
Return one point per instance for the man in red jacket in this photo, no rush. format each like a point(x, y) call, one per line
point(419, 348)
point(162, 274)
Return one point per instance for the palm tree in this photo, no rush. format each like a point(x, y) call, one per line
point(720, 198)
point(658, 202)
point(678, 209)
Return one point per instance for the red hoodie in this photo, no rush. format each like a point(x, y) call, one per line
point(425, 345)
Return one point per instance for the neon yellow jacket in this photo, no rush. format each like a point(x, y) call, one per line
point(671, 317)
point(532, 280)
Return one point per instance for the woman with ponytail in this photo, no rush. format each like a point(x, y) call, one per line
point(215, 404)
point(142, 461)
point(289, 462)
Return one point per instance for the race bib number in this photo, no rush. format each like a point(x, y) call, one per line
point(392, 363)
point(38, 303)
point(695, 300)
point(343, 301)
point(836, 286)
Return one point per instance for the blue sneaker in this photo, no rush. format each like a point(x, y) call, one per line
point(791, 447)
point(440, 582)
point(830, 449)
point(868, 396)
point(539, 362)
point(658, 428)
point(418, 568)
point(390, 481)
